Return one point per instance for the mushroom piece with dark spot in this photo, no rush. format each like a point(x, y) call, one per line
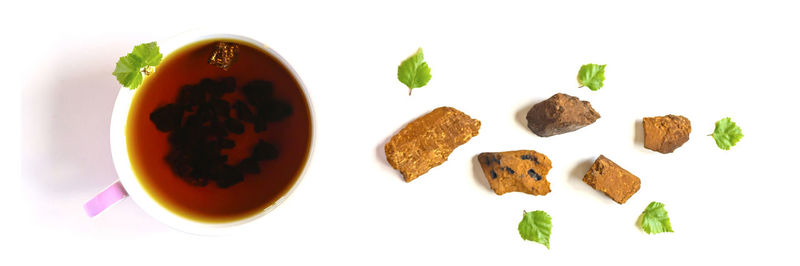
point(521, 171)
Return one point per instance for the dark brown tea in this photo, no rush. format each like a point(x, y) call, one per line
point(213, 163)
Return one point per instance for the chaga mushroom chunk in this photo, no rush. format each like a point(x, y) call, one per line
point(206, 113)
point(227, 143)
point(191, 95)
point(228, 176)
point(264, 151)
point(427, 141)
point(221, 107)
point(664, 134)
point(242, 111)
point(259, 125)
point(560, 114)
point(274, 110)
point(249, 166)
point(258, 91)
point(522, 171)
point(228, 84)
point(222, 86)
point(234, 126)
point(224, 55)
point(217, 129)
point(167, 117)
point(611, 179)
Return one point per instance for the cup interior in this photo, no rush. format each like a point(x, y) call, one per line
point(121, 157)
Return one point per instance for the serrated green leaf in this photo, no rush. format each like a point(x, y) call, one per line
point(654, 219)
point(536, 226)
point(592, 76)
point(128, 71)
point(129, 67)
point(148, 53)
point(414, 71)
point(727, 133)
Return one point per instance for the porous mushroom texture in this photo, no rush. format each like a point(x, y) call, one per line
point(522, 171)
point(611, 179)
point(427, 141)
point(560, 114)
point(664, 134)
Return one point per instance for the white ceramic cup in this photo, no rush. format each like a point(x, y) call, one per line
point(129, 185)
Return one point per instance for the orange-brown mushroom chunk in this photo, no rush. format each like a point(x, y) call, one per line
point(611, 179)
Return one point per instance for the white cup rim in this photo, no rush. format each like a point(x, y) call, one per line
point(124, 168)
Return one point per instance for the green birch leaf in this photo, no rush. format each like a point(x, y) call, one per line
point(129, 68)
point(727, 133)
point(414, 71)
point(592, 76)
point(148, 53)
point(654, 219)
point(535, 226)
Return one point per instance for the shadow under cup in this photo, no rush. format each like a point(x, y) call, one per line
point(140, 149)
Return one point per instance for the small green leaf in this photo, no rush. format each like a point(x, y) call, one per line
point(535, 226)
point(654, 219)
point(128, 71)
point(414, 71)
point(726, 133)
point(129, 68)
point(148, 53)
point(592, 76)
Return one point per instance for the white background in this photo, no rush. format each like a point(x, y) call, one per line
point(704, 60)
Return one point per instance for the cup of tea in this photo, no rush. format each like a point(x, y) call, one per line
point(217, 136)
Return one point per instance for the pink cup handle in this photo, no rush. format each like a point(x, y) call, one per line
point(111, 195)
